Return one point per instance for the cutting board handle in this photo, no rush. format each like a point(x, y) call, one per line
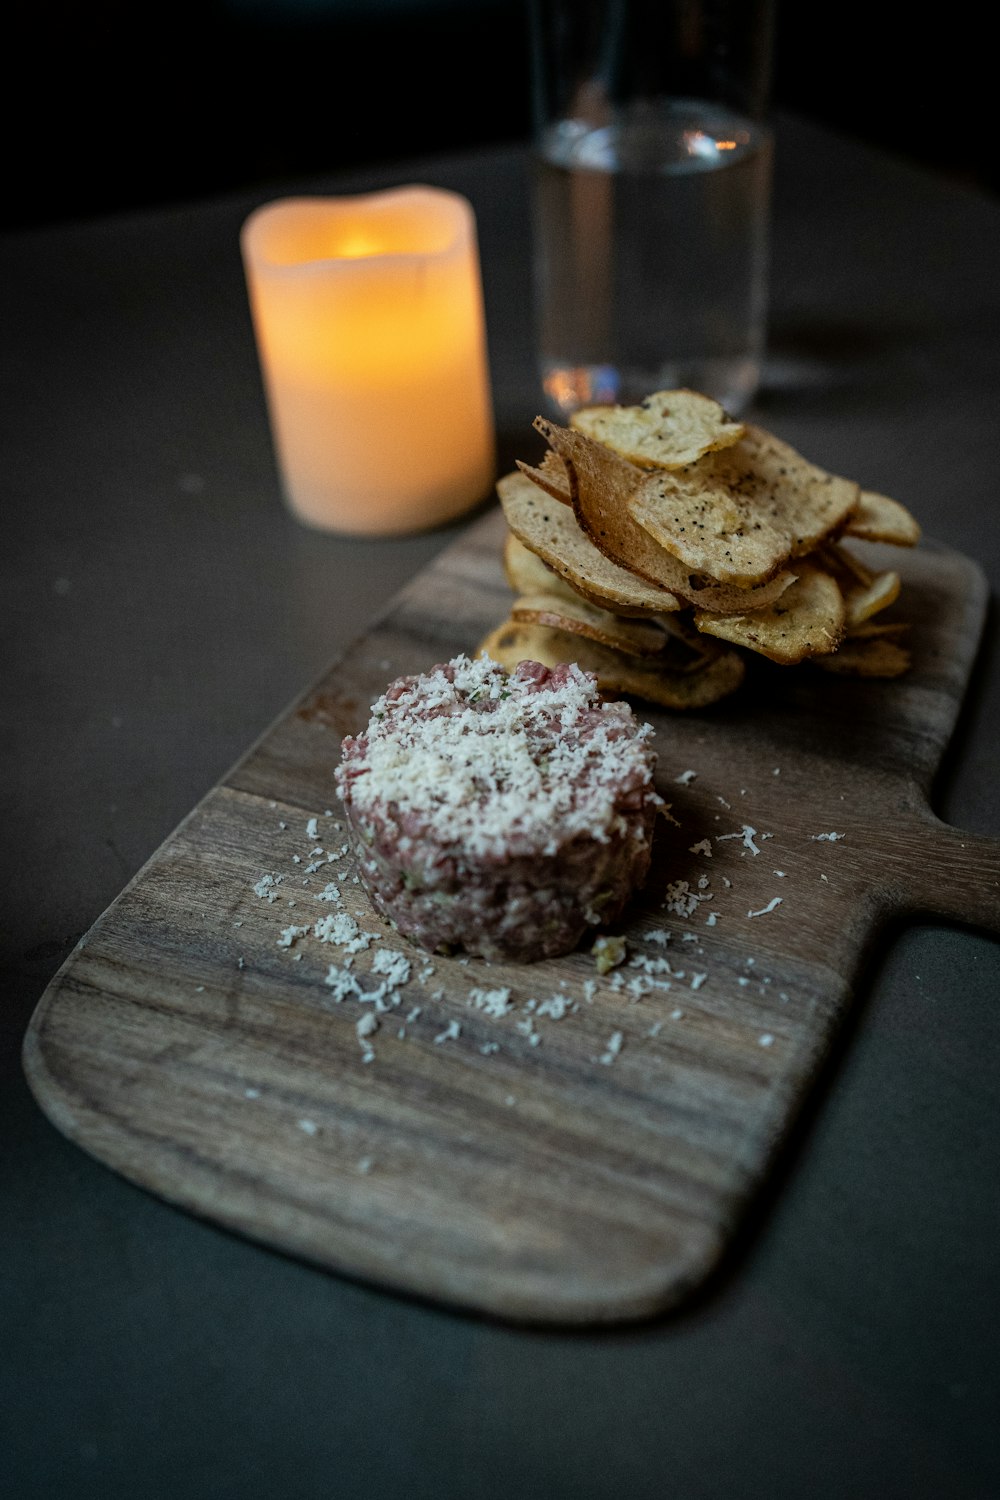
point(943, 872)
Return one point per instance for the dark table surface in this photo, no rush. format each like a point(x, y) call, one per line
point(160, 608)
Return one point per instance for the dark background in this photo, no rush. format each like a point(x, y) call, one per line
point(117, 104)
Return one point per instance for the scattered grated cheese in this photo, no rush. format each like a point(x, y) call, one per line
point(652, 965)
point(342, 982)
point(393, 965)
point(680, 898)
point(494, 1003)
point(746, 833)
point(267, 887)
point(615, 1043)
point(337, 928)
point(291, 935)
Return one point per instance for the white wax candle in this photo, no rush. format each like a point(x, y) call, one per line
point(368, 315)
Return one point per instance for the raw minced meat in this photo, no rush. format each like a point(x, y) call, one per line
point(503, 814)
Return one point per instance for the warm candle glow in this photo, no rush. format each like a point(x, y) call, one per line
point(369, 323)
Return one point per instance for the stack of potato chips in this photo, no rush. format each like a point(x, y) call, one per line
point(658, 545)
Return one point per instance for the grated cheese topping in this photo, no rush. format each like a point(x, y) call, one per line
point(473, 758)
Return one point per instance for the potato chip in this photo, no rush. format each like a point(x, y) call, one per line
point(807, 620)
point(739, 514)
point(551, 476)
point(526, 573)
point(636, 637)
point(890, 629)
point(552, 533)
point(877, 656)
point(602, 485)
point(861, 603)
point(876, 518)
point(669, 429)
point(865, 593)
point(616, 675)
point(847, 568)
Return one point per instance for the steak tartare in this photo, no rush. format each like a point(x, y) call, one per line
point(503, 814)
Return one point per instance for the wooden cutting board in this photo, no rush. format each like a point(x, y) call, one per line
point(537, 1142)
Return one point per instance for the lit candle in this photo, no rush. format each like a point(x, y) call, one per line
point(368, 315)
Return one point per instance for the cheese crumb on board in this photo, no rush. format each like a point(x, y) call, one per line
point(291, 935)
point(746, 833)
point(495, 1003)
point(614, 1046)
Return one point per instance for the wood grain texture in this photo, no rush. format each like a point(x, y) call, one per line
point(526, 1165)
